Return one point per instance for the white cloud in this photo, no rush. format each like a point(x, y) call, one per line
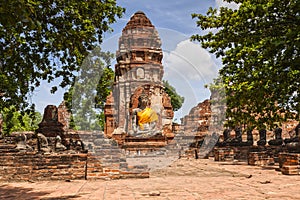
point(221, 3)
point(191, 60)
point(188, 68)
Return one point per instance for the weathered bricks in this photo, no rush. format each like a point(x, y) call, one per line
point(289, 163)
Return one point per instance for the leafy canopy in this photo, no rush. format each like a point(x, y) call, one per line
point(87, 96)
point(44, 40)
point(259, 45)
point(14, 120)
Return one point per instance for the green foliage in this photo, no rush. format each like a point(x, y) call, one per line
point(176, 99)
point(44, 40)
point(14, 120)
point(259, 46)
point(104, 87)
point(86, 98)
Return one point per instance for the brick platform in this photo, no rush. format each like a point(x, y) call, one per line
point(289, 163)
point(103, 160)
point(224, 154)
point(260, 158)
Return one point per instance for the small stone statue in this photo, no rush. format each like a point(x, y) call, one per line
point(293, 143)
point(58, 144)
point(70, 145)
point(21, 142)
point(294, 138)
point(143, 118)
point(43, 143)
point(249, 138)
point(237, 141)
point(226, 138)
point(79, 145)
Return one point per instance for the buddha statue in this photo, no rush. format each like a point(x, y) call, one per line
point(144, 118)
point(295, 137)
point(293, 143)
point(226, 138)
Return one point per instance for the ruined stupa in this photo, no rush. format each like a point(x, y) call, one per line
point(138, 105)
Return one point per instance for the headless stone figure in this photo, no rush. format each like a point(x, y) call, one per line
point(278, 137)
point(237, 141)
point(58, 144)
point(144, 118)
point(21, 141)
point(249, 138)
point(294, 138)
point(43, 143)
point(293, 143)
point(79, 145)
point(226, 138)
point(262, 137)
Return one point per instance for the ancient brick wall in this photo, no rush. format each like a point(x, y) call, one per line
point(34, 166)
point(198, 120)
point(103, 160)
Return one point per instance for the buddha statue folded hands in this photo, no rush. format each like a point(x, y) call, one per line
point(146, 116)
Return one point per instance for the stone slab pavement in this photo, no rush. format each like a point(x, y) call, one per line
point(184, 179)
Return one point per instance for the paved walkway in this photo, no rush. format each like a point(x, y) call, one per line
point(183, 179)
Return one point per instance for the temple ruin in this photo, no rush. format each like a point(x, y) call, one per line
point(138, 77)
point(138, 125)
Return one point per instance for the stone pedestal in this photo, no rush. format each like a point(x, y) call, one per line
point(260, 158)
point(224, 154)
point(289, 163)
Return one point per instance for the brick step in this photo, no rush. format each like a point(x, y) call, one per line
point(143, 145)
point(7, 146)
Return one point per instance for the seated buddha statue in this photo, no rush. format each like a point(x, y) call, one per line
point(144, 118)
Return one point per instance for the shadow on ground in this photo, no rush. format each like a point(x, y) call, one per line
point(13, 193)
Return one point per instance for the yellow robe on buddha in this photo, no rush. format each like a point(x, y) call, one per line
point(146, 116)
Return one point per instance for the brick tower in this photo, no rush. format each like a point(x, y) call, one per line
point(138, 71)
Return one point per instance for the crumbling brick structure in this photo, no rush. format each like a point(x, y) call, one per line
point(138, 71)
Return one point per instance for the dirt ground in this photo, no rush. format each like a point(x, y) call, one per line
point(182, 179)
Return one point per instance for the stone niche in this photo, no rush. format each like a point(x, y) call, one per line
point(138, 77)
point(159, 101)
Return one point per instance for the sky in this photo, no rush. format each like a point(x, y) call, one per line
point(187, 66)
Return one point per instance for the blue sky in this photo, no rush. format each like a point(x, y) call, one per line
point(187, 66)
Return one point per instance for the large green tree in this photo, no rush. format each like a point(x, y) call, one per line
point(43, 40)
point(259, 45)
point(87, 96)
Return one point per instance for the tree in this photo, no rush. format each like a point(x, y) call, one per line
point(176, 99)
point(87, 97)
point(14, 120)
point(259, 45)
point(44, 40)
point(104, 88)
